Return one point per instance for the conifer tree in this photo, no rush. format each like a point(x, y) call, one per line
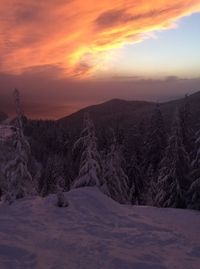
point(174, 181)
point(150, 187)
point(188, 135)
point(196, 159)
point(16, 172)
point(90, 165)
point(54, 169)
point(156, 140)
point(194, 190)
point(61, 200)
point(194, 195)
point(116, 180)
point(136, 186)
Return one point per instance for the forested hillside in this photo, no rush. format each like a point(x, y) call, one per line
point(135, 152)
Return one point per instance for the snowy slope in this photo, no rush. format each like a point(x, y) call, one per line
point(95, 232)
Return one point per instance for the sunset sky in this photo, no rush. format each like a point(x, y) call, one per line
point(65, 54)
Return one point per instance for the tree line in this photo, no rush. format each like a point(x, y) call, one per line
point(157, 167)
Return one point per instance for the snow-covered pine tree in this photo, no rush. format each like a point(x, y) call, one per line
point(150, 187)
point(90, 164)
point(16, 172)
point(156, 140)
point(54, 169)
point(173, 180)
point(194, 190)
point(135, 176)
point(188, 134)
point(196, 158)
point(3, 184)
point(116, 180)
point(194, 195)
point(35, 169)
point(61, 200)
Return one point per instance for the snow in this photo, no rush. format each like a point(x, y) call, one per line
point(6, 132)
point(95, 232)
point(8, 121)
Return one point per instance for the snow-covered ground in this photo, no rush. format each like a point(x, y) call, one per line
point(95, 232)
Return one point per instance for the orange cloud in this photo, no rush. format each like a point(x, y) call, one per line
point(76, 36)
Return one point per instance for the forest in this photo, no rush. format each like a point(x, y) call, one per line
point(153, 161)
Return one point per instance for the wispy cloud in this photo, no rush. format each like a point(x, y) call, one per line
point(76, 36)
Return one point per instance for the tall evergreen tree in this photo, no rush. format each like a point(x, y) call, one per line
point(196, 158)
point(17, 175)
point(135, 176)
point(194, 195)
point(194, 190)
point(53, 170)
point(61, 200)
point(174, 181)
point(156, 140)
point(150, 187)
point(116, 180)
point(90, 165)
point(187, 132)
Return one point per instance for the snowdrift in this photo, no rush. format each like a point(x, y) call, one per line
point(95, 232)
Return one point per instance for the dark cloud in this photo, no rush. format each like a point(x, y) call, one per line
point(110, 18)
point(25, 14)
point(115, 17)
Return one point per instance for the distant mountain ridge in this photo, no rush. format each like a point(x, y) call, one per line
point(129, 113)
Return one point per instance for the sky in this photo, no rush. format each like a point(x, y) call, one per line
point(67, 54)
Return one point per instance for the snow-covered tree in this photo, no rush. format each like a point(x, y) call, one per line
point(35, 169)
point(173, 180)
point(156, 140)
point(194, 195)
point(136, 177)
point(53, 170)
point(194, 190)
point(188, 134)
point(150, 186)
point(61, 200)
point(16, 172)
point(90, 164)
point(196, 159)
point(115, 178)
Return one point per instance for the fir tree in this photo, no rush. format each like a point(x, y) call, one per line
point(188, 135)
point(194, 195)
point(116, 180)
point(173, 181)
point(54, 169)
point(135, 175)
point(150, 187)
point(156, 140)
point(196, 159)
point(16, 172)
point(194, 190)
point(61, 200)
point(90, 165)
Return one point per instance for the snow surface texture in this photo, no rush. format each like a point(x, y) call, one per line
point(95, 232)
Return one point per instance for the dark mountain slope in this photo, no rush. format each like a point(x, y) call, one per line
point(124, 114)
point(113, 113)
